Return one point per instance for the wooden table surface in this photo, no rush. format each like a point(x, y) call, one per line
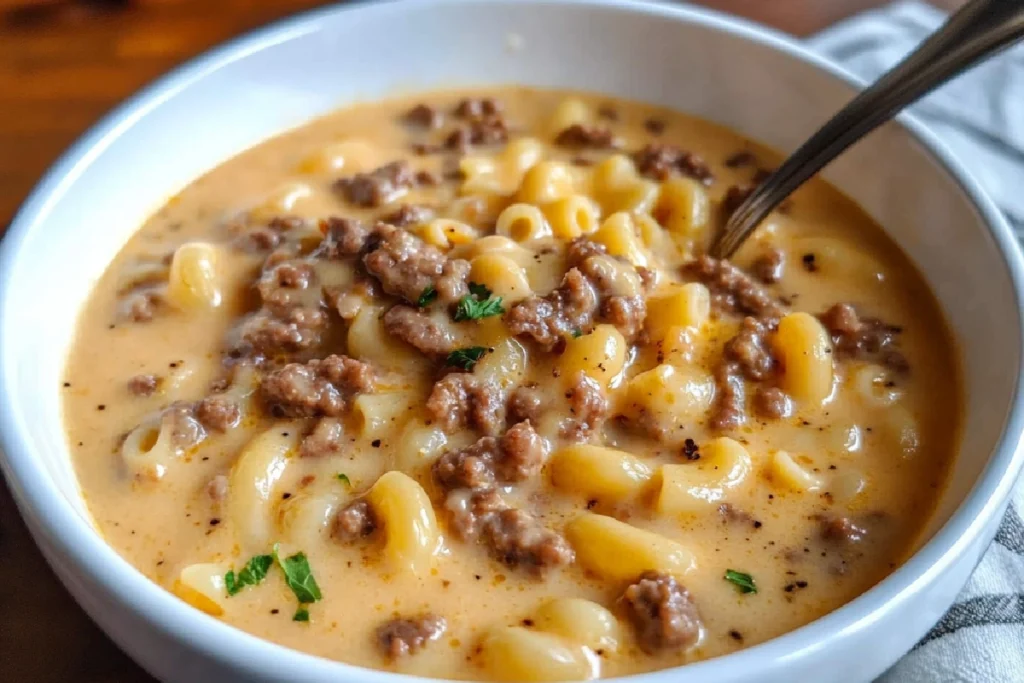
point(63, 64)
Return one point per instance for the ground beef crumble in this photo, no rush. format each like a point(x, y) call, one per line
point(517, 538)
point(515, 456)
point(587, 293)
point(462, 399)
point(658, 162)
point(318, 388)
point(406, 266)
point(732, 290)
point(378, 187)
point(218, 413)
point(401, 637)
point(417, 328)
point(582, 136)
point(143, 385)
point(588, 407)
point(769, 266)
point(408, 214)
point(867, 339)
point(325, 439)
point(662, 613)
point(424, 116)
point(354, 521)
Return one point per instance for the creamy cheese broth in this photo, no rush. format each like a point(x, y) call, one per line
point(803, 458)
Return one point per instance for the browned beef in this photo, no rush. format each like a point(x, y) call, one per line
point(473, 108)
point(517, 538)
point(860, 338)
point(325, 439)
point(318, 388)
point(218, 413)
point(525, 403)
point(378, 187)
point(266, 334)
point(401, 637)
point(281, 287)
point(461, 399)
point(549, 320)
point(662, 613)
point(730, 406)
point(772, 403)
point(515, 456)
point(143, 385)
point(732, 290)
point(409, 214)
point(424, 116)
point(841, 530)
point(354, 521)
point(343, 237)
point(140, 305)
point(659, 161)
point(583, 136)
point(588, 406)
point(751, 351)
point(770, 266)
point(418, 329)
point(406, 266)
point(470, 507)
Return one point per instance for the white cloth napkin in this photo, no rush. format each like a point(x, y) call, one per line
point(980, 115)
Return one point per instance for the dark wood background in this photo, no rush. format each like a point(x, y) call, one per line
point(63, 64)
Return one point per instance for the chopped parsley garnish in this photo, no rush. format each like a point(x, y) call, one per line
point(427, 296)
point(344, 478)
point(478, 304)
point(298, 576)
point(301, 614)
point(254, 571)
point(478, 290)
point(744, 582)
point(577, 333)
point(465, 358)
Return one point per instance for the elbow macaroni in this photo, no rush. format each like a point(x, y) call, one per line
point(571, 217)
point(619, 235)
point(806, 353)
point(696, 487)
point(601, 355)
point(687, 305)
point(194, 278)
point(515, 654)
point(618, 551)
point(413, 540)
point(252, 482)
point(599, 472)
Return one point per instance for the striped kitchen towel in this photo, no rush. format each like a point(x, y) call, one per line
point(980, 115)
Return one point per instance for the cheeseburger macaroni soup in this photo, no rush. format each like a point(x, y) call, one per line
point(449, 386)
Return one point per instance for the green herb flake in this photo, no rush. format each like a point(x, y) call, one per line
point(479, 291)
point(577, 333)
point(465, 358)
point(301, 614)
point(298, 576)
point(478, 304)
point(744, 582)
point(342, 477)
point(427, 296)
point(254, 571)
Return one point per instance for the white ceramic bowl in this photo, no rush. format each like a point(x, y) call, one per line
point(755, 81)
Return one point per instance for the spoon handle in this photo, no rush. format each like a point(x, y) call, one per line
point(979, 29)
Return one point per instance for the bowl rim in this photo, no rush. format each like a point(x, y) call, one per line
point(66, 533)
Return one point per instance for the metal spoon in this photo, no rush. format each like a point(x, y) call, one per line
point(979, 30)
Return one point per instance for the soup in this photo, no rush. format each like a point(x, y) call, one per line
point(448, 386)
